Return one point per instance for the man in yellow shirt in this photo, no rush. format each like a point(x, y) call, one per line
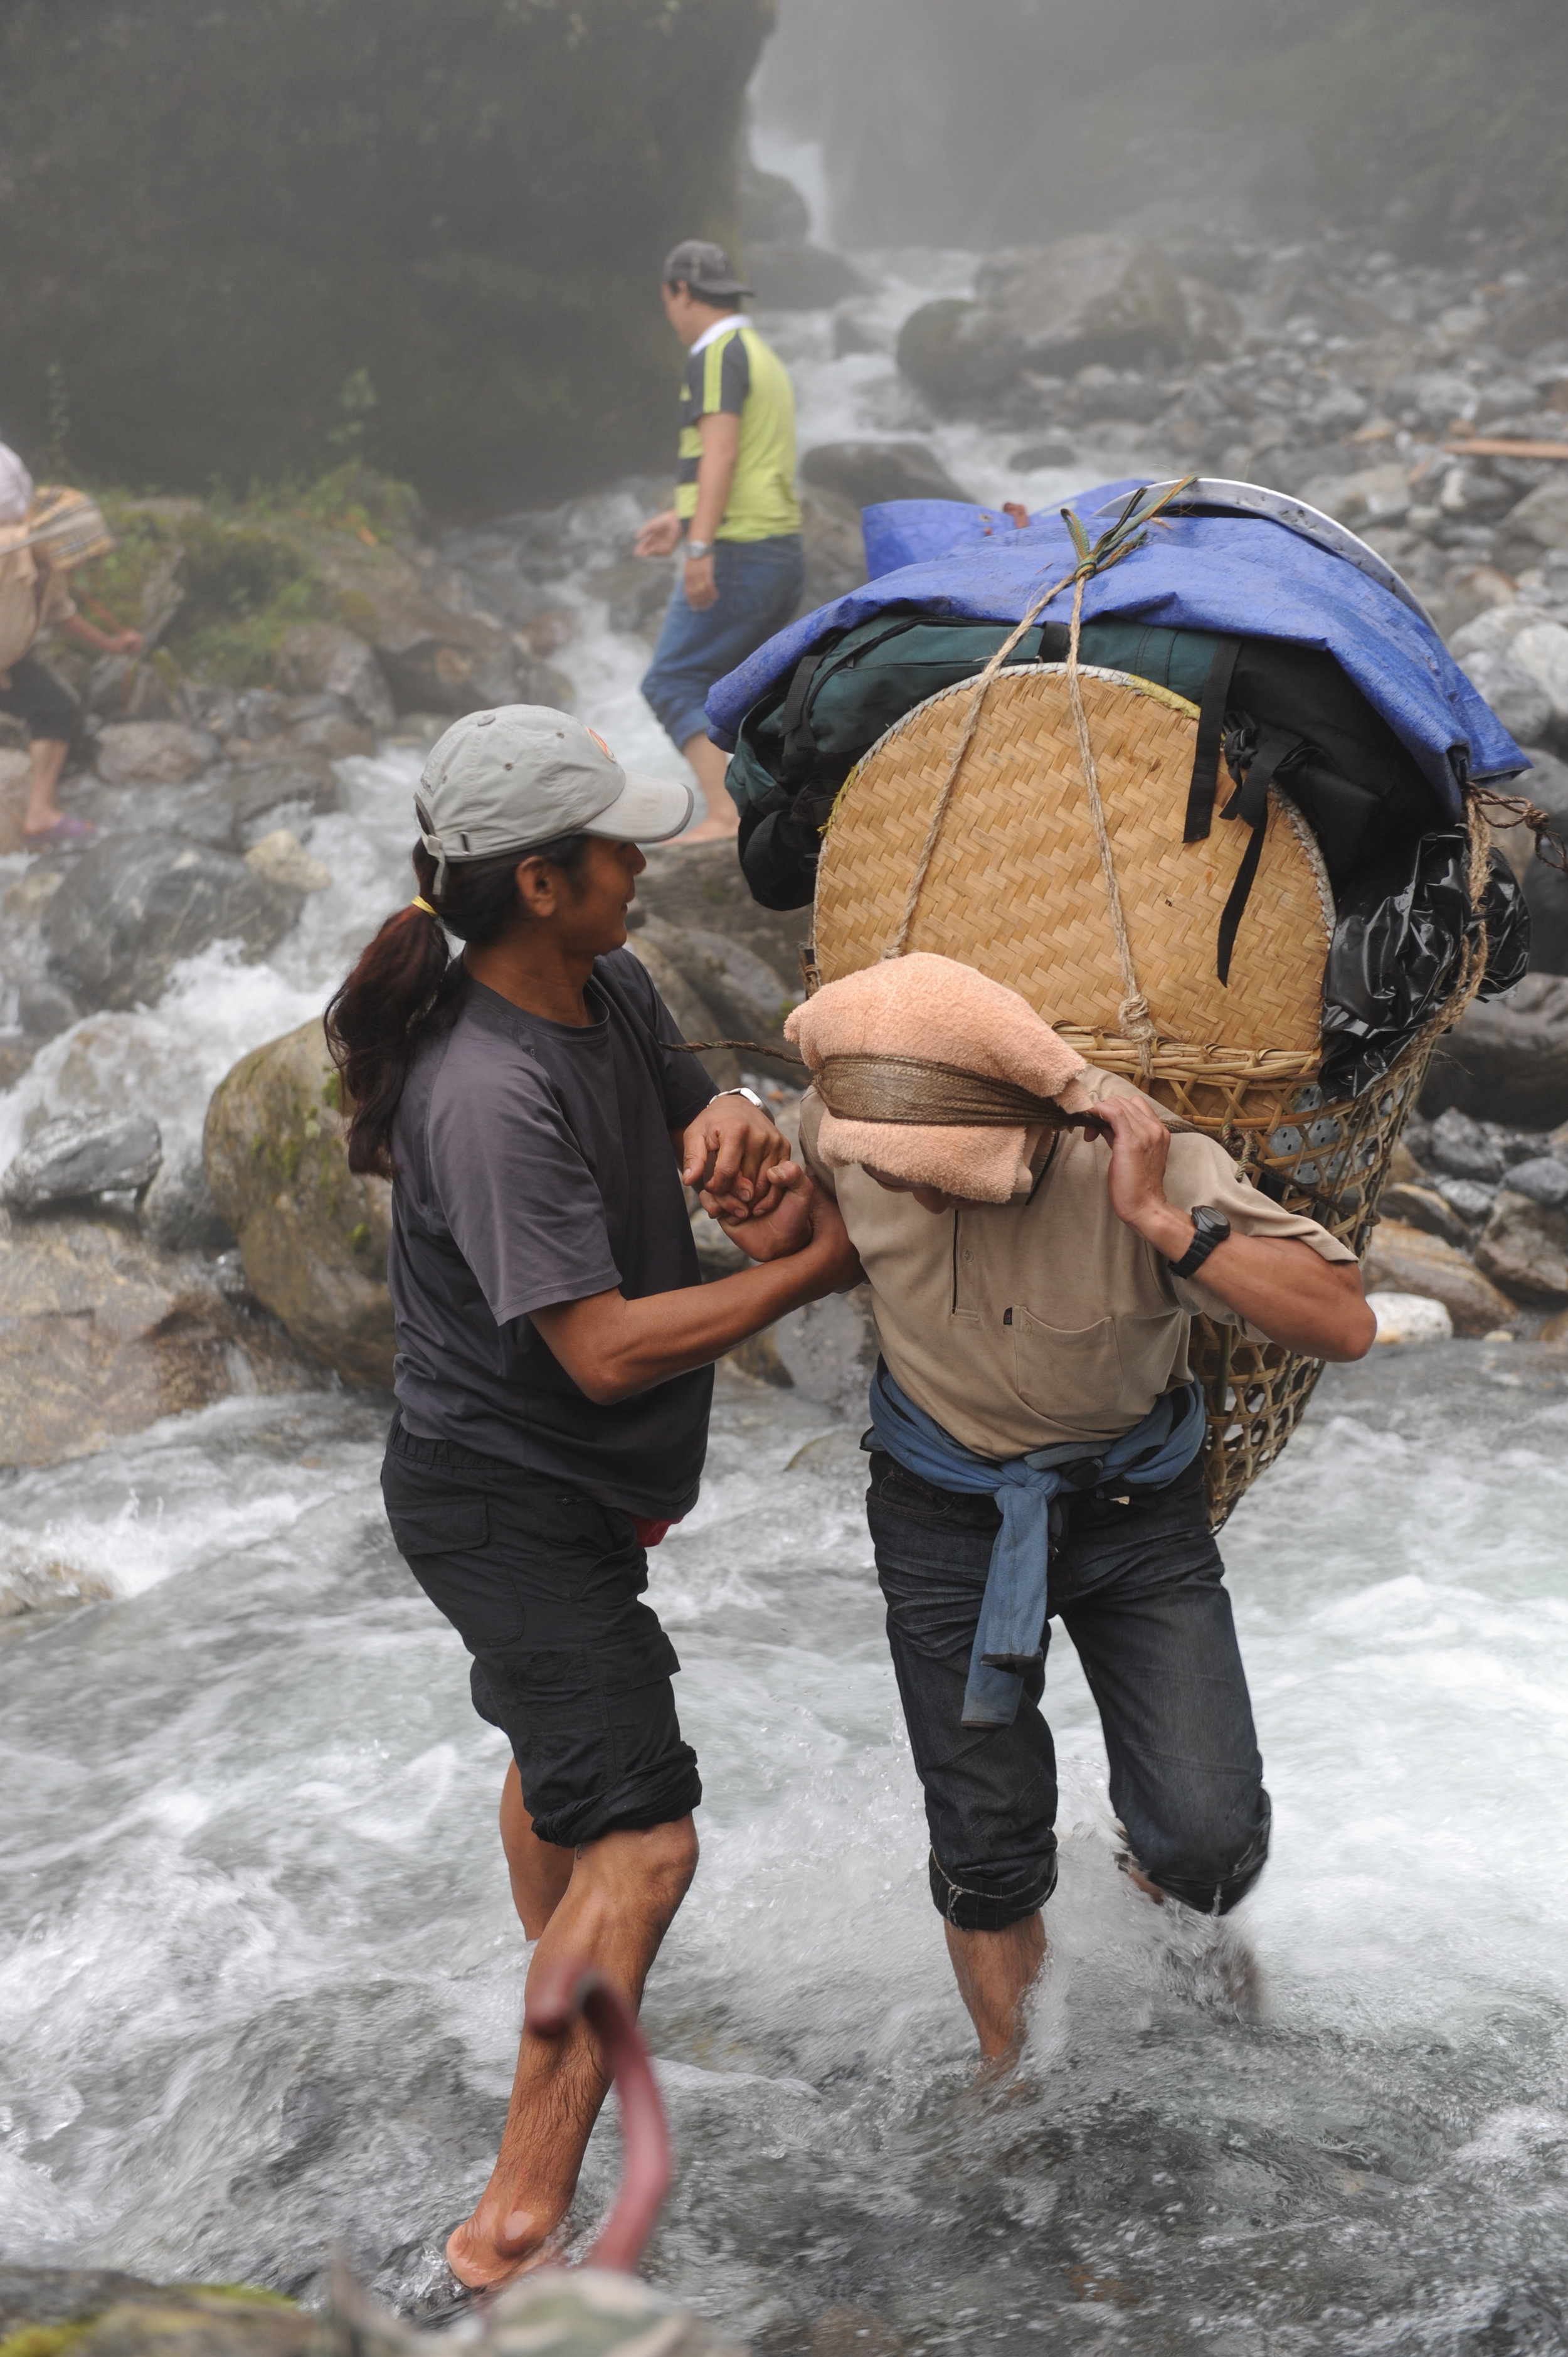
point(734, 508)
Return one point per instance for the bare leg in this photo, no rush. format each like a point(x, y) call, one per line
point(994, 1972)
point(710, 763)
point(618, 1904)
point(48, 760)
point(540, 1871)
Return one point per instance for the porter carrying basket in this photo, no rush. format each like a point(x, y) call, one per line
point(1030, 823)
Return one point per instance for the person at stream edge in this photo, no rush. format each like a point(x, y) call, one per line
point(734, 507)
point(537, 1112)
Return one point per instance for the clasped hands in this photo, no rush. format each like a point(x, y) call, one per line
point(740, 1164)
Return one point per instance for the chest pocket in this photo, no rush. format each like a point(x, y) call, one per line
point(1083, 1378)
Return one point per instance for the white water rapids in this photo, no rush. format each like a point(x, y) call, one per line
point(259, 1975)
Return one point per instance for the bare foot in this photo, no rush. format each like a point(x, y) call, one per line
point(714, 830)
point(482, 2254)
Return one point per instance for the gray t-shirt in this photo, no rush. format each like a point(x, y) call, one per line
point(535, 1165)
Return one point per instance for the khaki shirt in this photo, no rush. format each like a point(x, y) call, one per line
point(1023, 1325)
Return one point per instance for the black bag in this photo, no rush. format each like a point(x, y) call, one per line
point(1395, 955)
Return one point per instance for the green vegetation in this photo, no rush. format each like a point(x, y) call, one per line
point(239, 574)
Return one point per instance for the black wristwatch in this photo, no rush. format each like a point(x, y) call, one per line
point(1213, 1227)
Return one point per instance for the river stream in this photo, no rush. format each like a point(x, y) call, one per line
point(259, 1977)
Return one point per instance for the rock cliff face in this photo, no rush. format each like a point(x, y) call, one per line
point(243, 235)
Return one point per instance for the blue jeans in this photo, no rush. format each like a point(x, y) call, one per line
point(760, 583)
point(1139, 1590)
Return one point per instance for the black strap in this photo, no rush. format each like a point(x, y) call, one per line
point(799, 743)
point(1251, 801)
point(1210, 730)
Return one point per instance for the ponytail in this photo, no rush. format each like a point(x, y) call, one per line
point(407, 985)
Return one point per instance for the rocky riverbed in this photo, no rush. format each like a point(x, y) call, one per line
point(246, 786)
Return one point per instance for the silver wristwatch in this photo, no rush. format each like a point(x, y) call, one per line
point(750, 1094)
point(697, 549)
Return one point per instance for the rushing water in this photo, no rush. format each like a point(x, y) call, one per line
point(259, 1978)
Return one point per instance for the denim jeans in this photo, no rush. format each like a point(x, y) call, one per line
point(1139, 1589)
point(760, 583)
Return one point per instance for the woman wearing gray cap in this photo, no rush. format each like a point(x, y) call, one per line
point(536, 1111)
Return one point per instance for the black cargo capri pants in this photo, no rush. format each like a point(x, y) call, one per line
point(1139, 1589)
point(544, 1587)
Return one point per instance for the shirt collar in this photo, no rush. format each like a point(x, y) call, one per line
point(719, 328)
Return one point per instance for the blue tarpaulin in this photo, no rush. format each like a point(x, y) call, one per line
point(1242, 575)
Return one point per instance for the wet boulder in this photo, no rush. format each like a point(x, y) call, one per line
point(323, 658)
point(178, 1213)
point(313, 1235)
point(277, 777)
point(281, 858)
point(1542, 516)
point(81, 1156)
point(1515, 695)
point(1402, 1259)
point(963, 354)
point(788, 275)
point(1507, 1061)
point(867, 473)
point(131, 910)
point(834, 545)
point(1524, 1248)
point(1103, 297)
point(152, 753)
point(101, 1334)
point(695, 1016)
point(829, 1350)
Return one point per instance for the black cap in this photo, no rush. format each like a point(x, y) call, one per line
point(705, 269)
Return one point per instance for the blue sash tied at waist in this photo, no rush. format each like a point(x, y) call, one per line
point(1010, 1639)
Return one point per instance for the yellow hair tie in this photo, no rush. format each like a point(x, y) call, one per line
point(418, 903)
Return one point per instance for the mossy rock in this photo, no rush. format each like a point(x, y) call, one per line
point(313, 1236)
point(100, 2312)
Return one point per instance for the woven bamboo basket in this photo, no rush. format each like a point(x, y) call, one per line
point(1015, 885)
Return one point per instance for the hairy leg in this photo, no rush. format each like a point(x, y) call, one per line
point(710, 764)
point(994, 1970)
point(48, 760)
point(618, 1904)
point(540, 1871)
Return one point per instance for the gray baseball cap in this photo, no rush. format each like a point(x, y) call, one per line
point(522, 774)
point(706, 268)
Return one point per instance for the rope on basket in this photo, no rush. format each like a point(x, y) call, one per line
point(1120, 540)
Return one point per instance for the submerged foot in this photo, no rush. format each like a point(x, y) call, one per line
point(486, 2251)
point(1215, 1971)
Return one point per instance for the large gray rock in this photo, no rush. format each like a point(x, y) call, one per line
point(101, 1334)
point(772, 210)
point(1103, 297)
point(829, 1350)
point(179, 1211)
point(1524, 1249)
point(1405, 1259)
point(788, 275)
point(324, 658)
point(870, 472)
point(276, 777)
point(1373, 495)
point(694, 1018)
point(152, 753)
point(964, 355)
point(1541, 649)
point(1507, 1061)
point(1515, 695)
point(131, 910)
point(1542, 516)
point(81, 1156)
point(833, 543)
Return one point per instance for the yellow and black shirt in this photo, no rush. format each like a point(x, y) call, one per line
point(731, 369)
